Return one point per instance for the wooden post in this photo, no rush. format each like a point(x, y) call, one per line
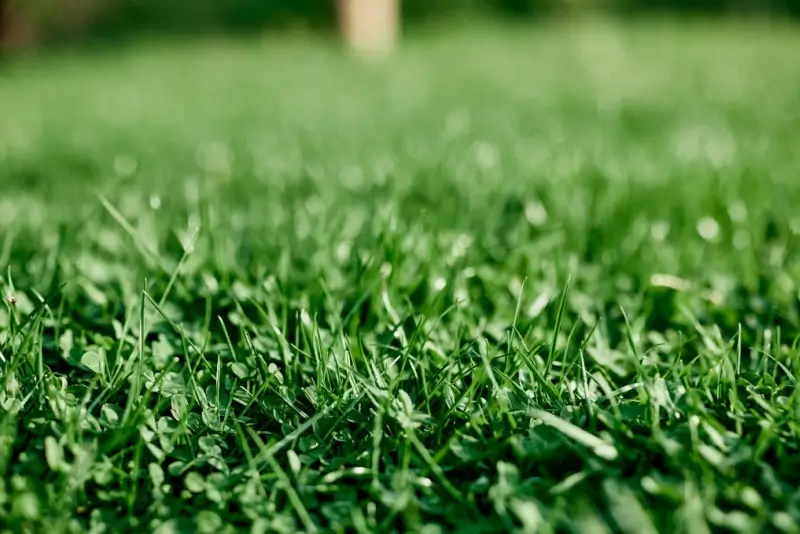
point(370, 27)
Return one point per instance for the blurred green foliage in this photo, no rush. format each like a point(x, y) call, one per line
point(54, 19)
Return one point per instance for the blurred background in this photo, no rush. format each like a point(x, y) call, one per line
point(29, 24)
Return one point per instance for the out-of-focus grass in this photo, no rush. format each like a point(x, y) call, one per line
point(542, 278)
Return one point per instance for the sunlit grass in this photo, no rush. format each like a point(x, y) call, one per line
point(541, 279)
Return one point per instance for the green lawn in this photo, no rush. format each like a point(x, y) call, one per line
point(540, 278)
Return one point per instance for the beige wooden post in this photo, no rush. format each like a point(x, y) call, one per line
point(370, 27)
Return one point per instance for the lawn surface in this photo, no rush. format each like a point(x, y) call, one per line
point(538, 278)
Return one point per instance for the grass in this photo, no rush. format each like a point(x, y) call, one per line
point(538, 279)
